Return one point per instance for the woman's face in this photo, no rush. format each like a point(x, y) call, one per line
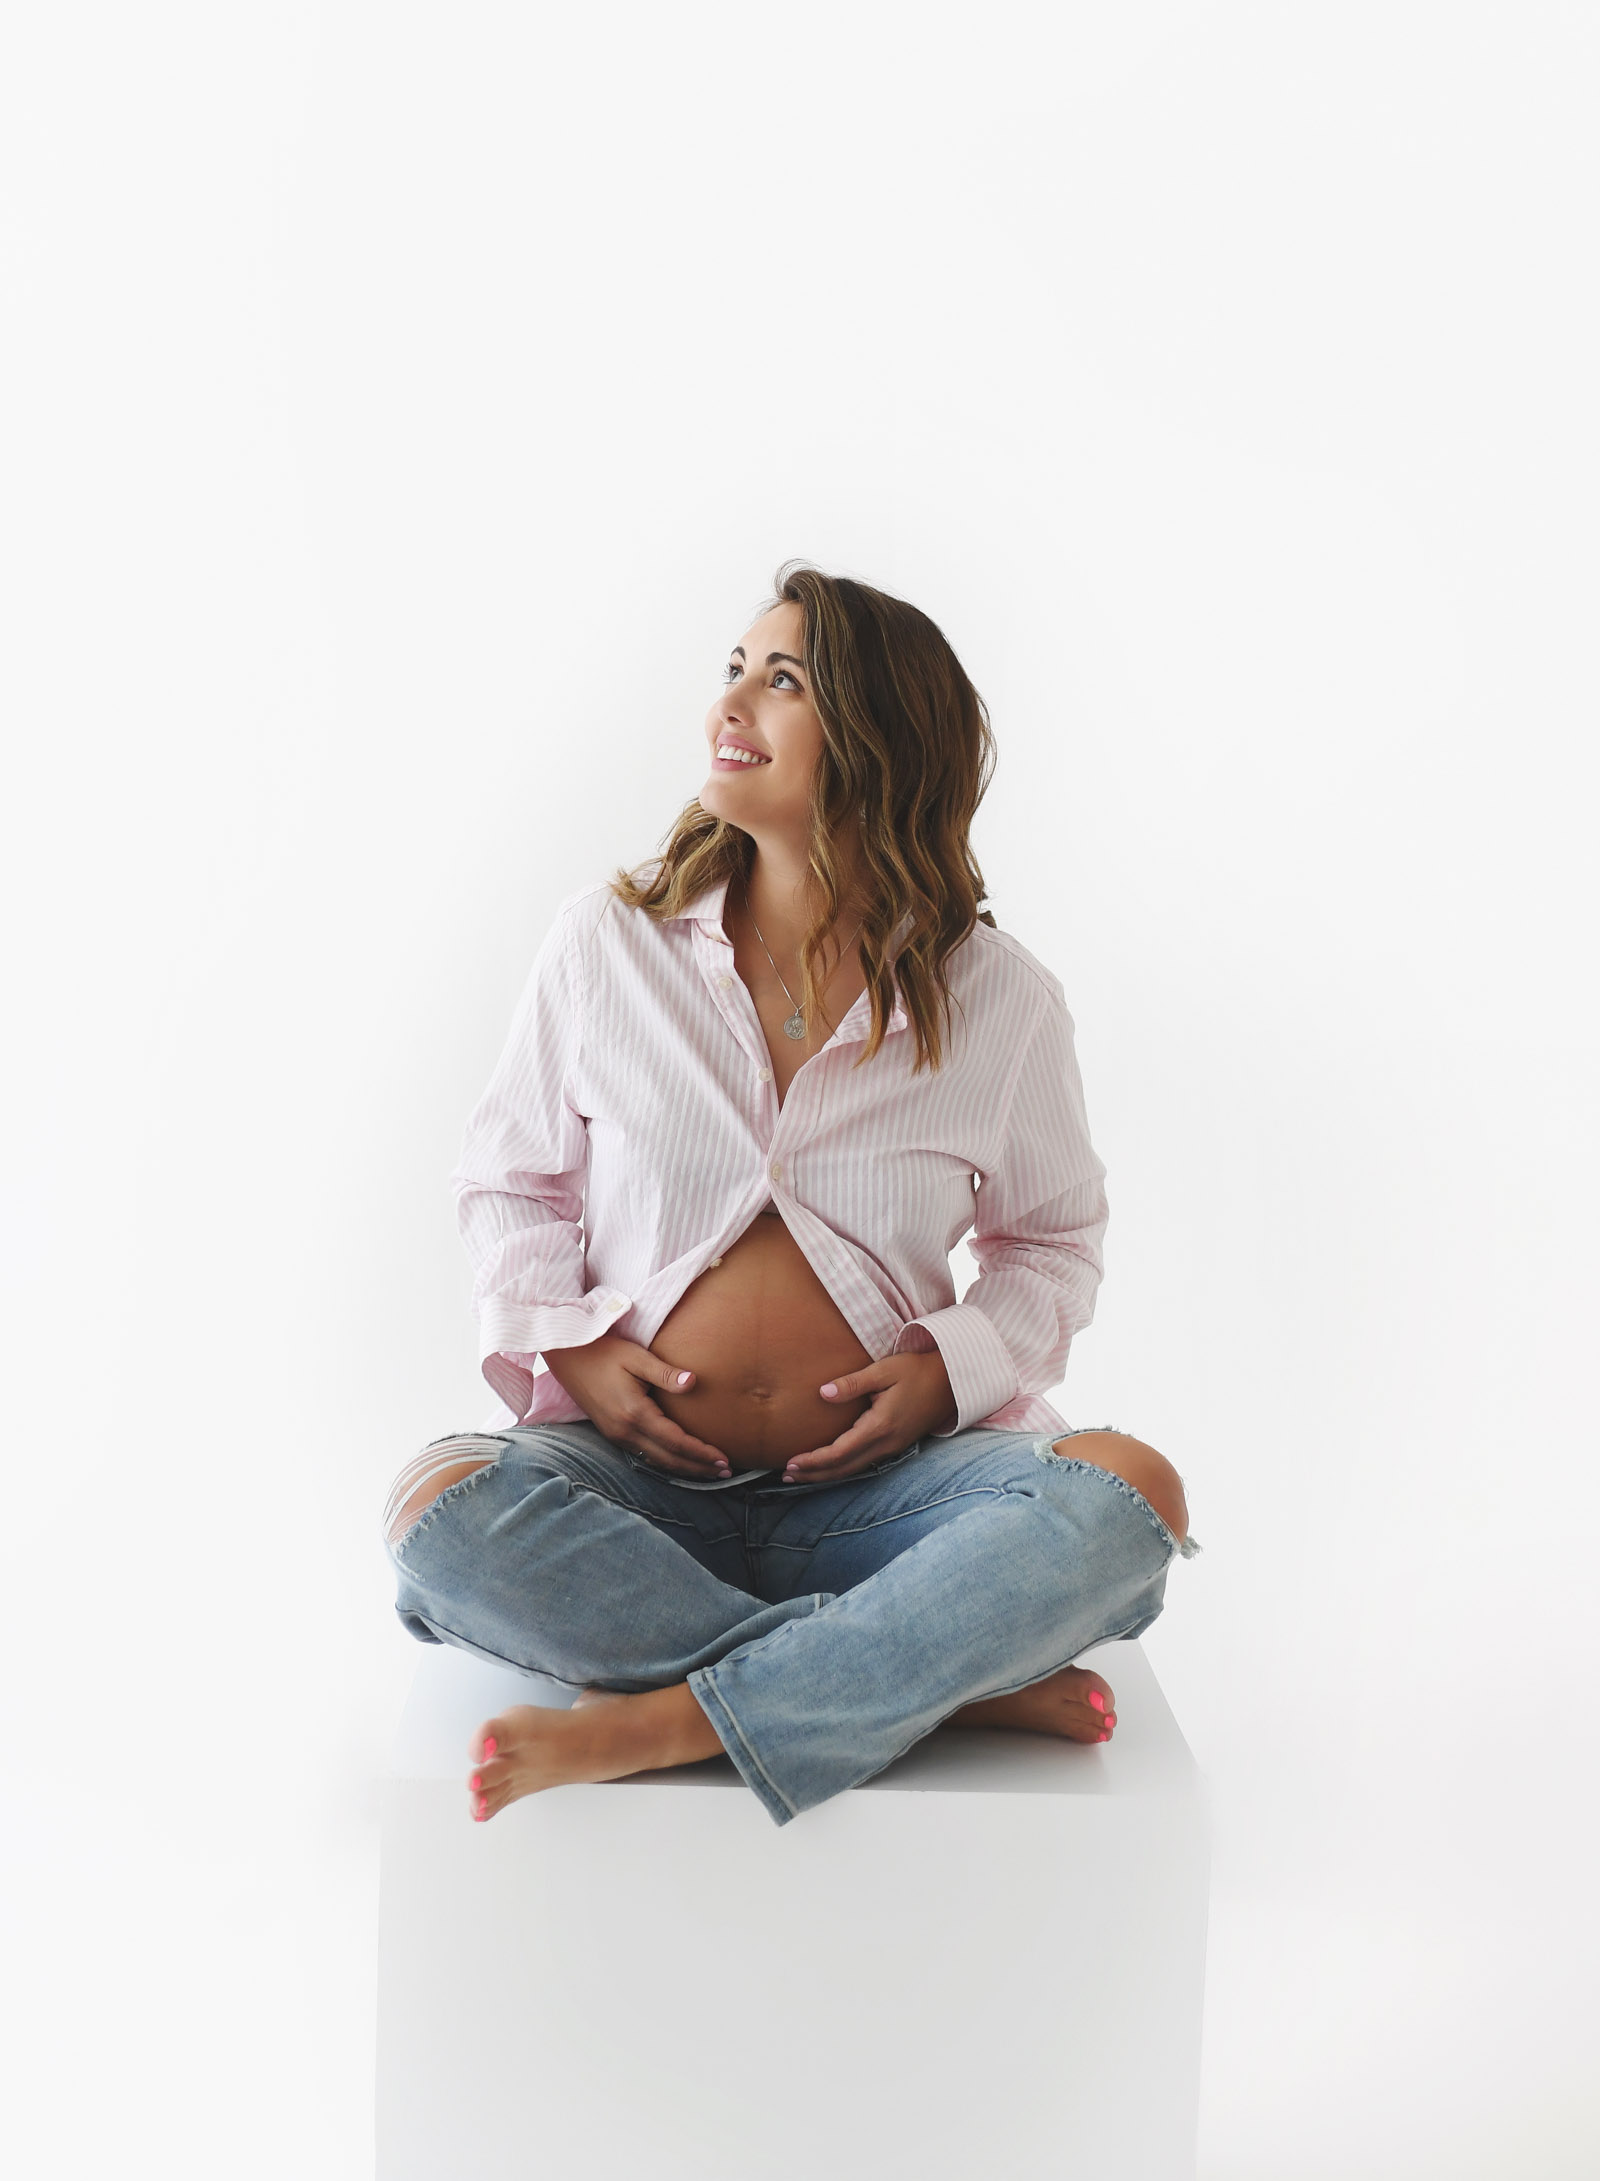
point(765, 706)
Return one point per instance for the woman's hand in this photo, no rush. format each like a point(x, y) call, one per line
point(911, 1396)
point(609, 1378)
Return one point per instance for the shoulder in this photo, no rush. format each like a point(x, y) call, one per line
point(1000, 960)
point(581, 915)
point(606, 934)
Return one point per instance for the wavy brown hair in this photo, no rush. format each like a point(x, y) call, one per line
point(907, 745)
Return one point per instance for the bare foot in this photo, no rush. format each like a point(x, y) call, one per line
point(1074, 1702)
point(530, 1746)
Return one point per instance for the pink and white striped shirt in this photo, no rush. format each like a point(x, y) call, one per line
point(631, 1131)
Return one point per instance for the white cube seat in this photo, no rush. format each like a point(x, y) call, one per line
point(987, 1960)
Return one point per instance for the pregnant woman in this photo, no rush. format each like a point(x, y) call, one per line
point(777, 1493)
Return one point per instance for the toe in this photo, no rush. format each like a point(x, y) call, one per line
point(490, 1795)
point(1096, 1690)
point(1089, 1716)
point(489, 1737)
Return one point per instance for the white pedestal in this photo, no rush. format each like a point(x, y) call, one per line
point(984, 1964)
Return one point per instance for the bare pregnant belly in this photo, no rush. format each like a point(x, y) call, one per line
point(761, 1333)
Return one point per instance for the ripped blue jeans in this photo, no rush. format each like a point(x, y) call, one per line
point(823, 1628)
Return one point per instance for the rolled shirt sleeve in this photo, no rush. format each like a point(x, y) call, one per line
point(519, 1184)
point(1041, 1217)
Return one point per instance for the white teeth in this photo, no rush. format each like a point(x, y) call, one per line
point(745, 757)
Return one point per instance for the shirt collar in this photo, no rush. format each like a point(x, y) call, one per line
point(707, 908)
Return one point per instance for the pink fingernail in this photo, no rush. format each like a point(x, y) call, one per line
point(683, 1378)
point(830, 1387)
point(490, 1746)
point(1097, 1700)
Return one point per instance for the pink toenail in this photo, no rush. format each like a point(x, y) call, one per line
point(1105, 1737)
point(490, 1746)
point(1111, 1718)
point(1097, 1700)
point(475, 1782)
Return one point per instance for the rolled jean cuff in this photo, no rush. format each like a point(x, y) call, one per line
point(729, 1732)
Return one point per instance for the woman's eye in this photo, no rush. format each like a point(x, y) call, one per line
point(730, 673)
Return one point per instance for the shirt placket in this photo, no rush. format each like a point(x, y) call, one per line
point(738, 1011)
point(781, 1131)
point(866, 1309)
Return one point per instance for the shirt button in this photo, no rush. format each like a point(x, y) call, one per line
point(723, 983)
point(777, 1170)
point(766, 1075)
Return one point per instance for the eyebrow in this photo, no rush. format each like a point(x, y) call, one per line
point(773, 657)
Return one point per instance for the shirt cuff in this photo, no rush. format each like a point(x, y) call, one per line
point(982, 1372)
point(511, 1335)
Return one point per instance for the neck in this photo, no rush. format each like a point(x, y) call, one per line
point(778, 893)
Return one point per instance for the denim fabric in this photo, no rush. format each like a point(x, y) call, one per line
point(823, 1628)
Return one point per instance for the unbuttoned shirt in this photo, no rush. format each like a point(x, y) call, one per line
point(631, 1131)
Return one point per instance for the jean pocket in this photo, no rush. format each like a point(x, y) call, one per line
point(890, 1461)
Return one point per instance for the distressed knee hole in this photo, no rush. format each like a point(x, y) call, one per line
point(1151, 1474)
point(423, 1480)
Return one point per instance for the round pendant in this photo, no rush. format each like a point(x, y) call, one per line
point(796, 1025)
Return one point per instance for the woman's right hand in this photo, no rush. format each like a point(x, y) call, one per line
point(609, 1378)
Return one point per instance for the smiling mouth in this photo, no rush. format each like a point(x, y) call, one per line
point(730, 753)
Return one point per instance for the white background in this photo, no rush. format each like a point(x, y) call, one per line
point(406, 407)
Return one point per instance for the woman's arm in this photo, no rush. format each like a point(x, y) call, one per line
point(519, 1183)
point(1041, 1216)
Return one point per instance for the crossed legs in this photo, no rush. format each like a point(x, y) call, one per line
point(607, 1735)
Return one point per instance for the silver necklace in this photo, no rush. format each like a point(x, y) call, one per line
point(795, 1027)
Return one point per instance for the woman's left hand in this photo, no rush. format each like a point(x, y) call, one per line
point(911, 1396)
